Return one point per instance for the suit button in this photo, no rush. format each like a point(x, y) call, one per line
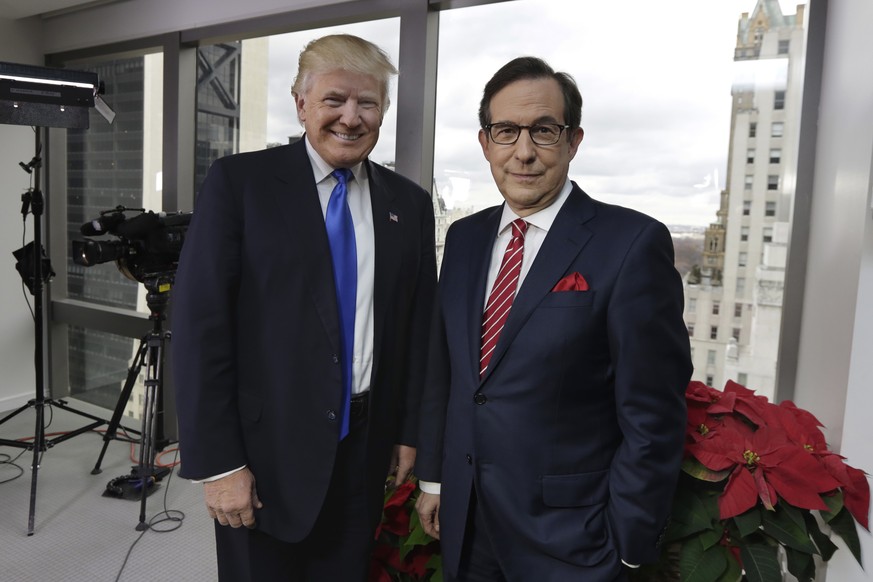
point(335, 359)
point(479, 398)
point(469, 459)
point(331, 415)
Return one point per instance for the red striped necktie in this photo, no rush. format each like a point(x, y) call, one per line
point(502, 294)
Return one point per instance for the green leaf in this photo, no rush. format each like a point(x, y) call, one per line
point(436, 564)
point(733, 571)
point(748, 522)
point(761, 563)
point(835, 505)
point(690, 516)
point(697, 564)
point(698, 470)
point(801, 565)
point(843, 524)
point(779, 525)
point(710, 538)
point(826, 547)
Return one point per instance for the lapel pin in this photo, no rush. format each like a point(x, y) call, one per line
point(392, 217)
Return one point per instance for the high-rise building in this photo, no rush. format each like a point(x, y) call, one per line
point(120, 165)
point(734, 300)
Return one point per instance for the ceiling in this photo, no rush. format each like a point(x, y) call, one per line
point(15, 9)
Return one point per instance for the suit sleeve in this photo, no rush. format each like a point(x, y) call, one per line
point(420, 322)
point(650, 352)
point(204, 331)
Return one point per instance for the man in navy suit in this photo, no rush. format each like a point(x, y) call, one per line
point(553, 417)
point(300, 314)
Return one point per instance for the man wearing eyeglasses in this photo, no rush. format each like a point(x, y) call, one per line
point(553, 417)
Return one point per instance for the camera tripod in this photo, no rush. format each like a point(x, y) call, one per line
point(150, 354)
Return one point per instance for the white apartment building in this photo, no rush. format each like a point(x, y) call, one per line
point(734, 301)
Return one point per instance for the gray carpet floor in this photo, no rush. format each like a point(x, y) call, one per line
point(82, 535)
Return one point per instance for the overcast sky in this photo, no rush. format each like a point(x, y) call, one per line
point(655, 78)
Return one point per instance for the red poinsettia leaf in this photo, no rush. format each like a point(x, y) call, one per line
point(739, 495)
point(378, 573)
point(401, 494)
point(766, 492)
point(713, 454)
point(856, 496)
point(724, 405)
point(804, 417)
point(698, 392)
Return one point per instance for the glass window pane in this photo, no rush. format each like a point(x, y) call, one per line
point(112, 165)
point(244, 100)
point(655, 134)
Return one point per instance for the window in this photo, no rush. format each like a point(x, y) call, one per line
point(738, 309)
point(692, 304)
point(741, 284)
point(744, 233)
point(783, 47)
point(743, 259)
point(709, 379)
point(710, 357)
point(742, 378)
point(750, 156)
point(768, 234)
point(779, 100)
point(690, 330)
point(713, 332)
point(753, 129)
point(735, 333)
point(748, 181)
point(769, 209)
point(772, 182)
point(715, 305)
point(777, 129)
point(775, 156)
point(747, 207)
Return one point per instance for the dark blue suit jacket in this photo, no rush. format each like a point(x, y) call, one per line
point(256, 331)
point(574, 437)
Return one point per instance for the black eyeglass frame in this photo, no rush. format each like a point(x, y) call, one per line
point(560, 127)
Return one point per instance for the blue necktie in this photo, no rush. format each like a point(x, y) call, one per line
point(341, 234)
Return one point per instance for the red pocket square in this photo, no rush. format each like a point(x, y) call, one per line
point(572, 282)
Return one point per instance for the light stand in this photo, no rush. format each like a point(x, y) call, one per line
point(42, 98)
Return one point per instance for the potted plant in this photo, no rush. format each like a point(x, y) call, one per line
point(760, 492)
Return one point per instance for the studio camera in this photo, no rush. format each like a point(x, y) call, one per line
point(148, 243)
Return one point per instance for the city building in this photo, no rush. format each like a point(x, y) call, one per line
point(734, 300)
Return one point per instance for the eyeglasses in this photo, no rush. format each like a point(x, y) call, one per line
point(540, 133)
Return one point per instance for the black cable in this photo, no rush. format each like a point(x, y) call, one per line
point(172, 515)
point(9, 460)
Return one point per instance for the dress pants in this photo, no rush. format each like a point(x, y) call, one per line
point(337, 549)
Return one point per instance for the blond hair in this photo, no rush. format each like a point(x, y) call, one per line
point(344, 52)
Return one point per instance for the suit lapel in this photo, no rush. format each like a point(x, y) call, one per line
point(296, 199)
point(387, 234)
point(564, 241)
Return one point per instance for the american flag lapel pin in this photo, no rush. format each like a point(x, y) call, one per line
point(392, 217)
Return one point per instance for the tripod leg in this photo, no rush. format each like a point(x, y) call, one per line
point(111, 430)
point(38, 447)
point(146, 468)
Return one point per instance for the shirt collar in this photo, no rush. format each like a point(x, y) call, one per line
point(541, 219)
point(322, 169)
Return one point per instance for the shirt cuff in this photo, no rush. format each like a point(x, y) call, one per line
point(429, 487)
point(217, 477)
point(630, 565)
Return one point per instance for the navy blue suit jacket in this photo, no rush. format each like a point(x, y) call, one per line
point(256, 333)
point(574, 437)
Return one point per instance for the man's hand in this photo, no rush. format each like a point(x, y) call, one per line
point(428, 507)
point(232, 499)
point(402, 463)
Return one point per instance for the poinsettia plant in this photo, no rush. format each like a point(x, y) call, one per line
point(403, 552)
point(759, 491)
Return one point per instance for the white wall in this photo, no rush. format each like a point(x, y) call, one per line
point(20, 42)
point(835, 370)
